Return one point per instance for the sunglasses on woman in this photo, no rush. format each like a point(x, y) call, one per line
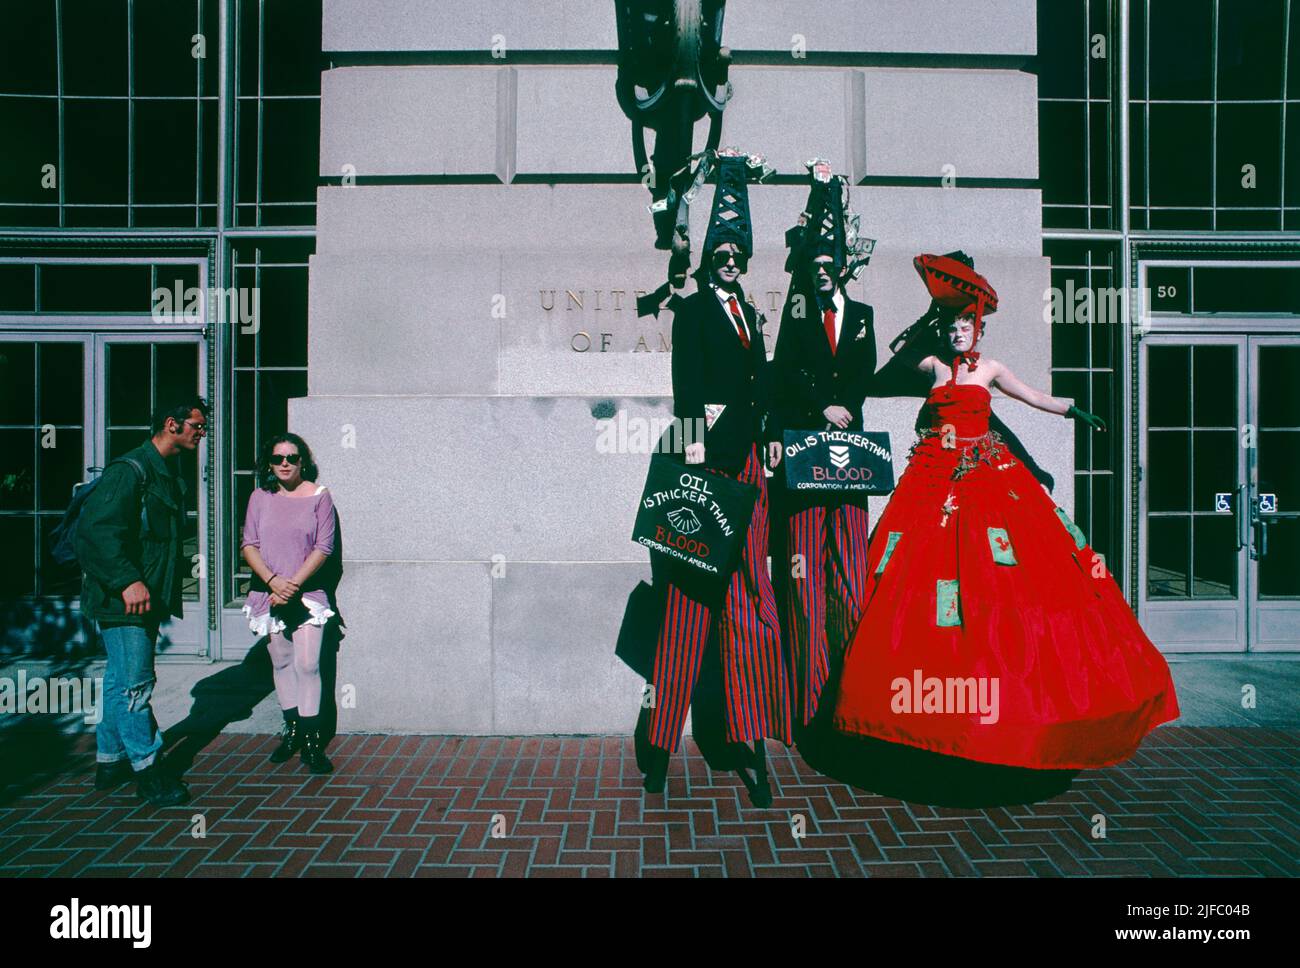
point(281, 458)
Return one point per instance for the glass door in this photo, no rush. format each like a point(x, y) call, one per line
point(1219, 492)
point(1274, 525)
point(1192, 493)
point(46, 443)
point(134, 375)
point(69, 403)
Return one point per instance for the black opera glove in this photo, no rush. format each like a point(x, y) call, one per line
point(1083, 416)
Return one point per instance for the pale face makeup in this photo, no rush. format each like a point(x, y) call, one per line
point(960, 334)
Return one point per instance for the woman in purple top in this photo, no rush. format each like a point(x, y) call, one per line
point(288, 534)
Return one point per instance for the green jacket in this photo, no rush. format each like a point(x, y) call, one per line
point(120, 543)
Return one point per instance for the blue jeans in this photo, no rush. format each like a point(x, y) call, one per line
point(128, 729)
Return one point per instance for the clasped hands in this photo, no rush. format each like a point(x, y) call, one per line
point(283, 590)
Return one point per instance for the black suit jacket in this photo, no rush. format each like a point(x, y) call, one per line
point(809, 378)
point(711, 366)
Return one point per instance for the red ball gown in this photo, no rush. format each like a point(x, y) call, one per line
point(990, 629)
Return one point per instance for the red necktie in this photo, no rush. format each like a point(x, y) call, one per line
point(739, 319)
point(828, 319)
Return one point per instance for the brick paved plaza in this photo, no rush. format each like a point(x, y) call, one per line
point(1191, 802)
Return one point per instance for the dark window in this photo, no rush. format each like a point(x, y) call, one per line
point(122, 132)
point(1192, 441)
point(277, 112)
point(1209, 111)
point(1076, 63)
point(1181, 47)
point(95, 288)
point(1062, 49)
point(26, 66)
point(1181, 155)
point(42, 445)
point(163, 52)
point(1251, 54)
point(1086, 350)
point(29, 161)
point(1250, 157)
point(1248, 289)
point(95, 42)
point(270, 352)
point(17, 288)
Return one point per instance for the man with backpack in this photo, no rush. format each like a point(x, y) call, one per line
point(129, 534)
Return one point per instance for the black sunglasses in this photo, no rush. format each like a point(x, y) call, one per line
point(721, 258)
point(281, 458)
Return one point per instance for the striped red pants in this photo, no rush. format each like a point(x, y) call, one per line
point(824, 594)
point(755, 683)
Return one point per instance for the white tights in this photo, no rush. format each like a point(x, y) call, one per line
point(296, 668)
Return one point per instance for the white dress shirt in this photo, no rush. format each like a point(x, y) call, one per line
point(837, 301)
point(725, 298)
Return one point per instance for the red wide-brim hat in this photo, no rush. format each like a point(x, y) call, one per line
point(956, 285)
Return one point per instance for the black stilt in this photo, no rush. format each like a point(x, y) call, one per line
point(760, 794)
point(656, 774)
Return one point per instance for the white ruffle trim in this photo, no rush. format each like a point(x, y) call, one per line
point(268, 624)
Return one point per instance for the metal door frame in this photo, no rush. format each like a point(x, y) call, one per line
point(1256, 607)
point(95, 433)
point(1249, 605)
point(117, 248)
point(1154, 610)
point(196, 619)
point(87, 342)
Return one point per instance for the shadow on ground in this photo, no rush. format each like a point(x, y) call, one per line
point(38, 749)
point(921, 776)
point(219, 700)
point(49, 639)
point(887, 769)
point(233, 693)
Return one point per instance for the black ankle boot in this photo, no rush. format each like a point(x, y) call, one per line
point(111, 775)
point(656, 775)
point(159, 787)
point(290, 737)
point(313, 746)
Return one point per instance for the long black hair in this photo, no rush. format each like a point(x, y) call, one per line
point(266, 478)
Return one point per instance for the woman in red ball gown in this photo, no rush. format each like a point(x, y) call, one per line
point(990, 630)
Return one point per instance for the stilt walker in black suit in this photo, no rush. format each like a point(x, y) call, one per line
point(824, 361)
point(720, 382)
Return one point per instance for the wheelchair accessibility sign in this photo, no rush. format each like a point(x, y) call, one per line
point(1268, 504)
point(1223, 502)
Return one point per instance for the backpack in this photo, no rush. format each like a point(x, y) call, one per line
point(63, 539)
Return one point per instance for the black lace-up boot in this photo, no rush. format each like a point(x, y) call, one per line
point(290, 737)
